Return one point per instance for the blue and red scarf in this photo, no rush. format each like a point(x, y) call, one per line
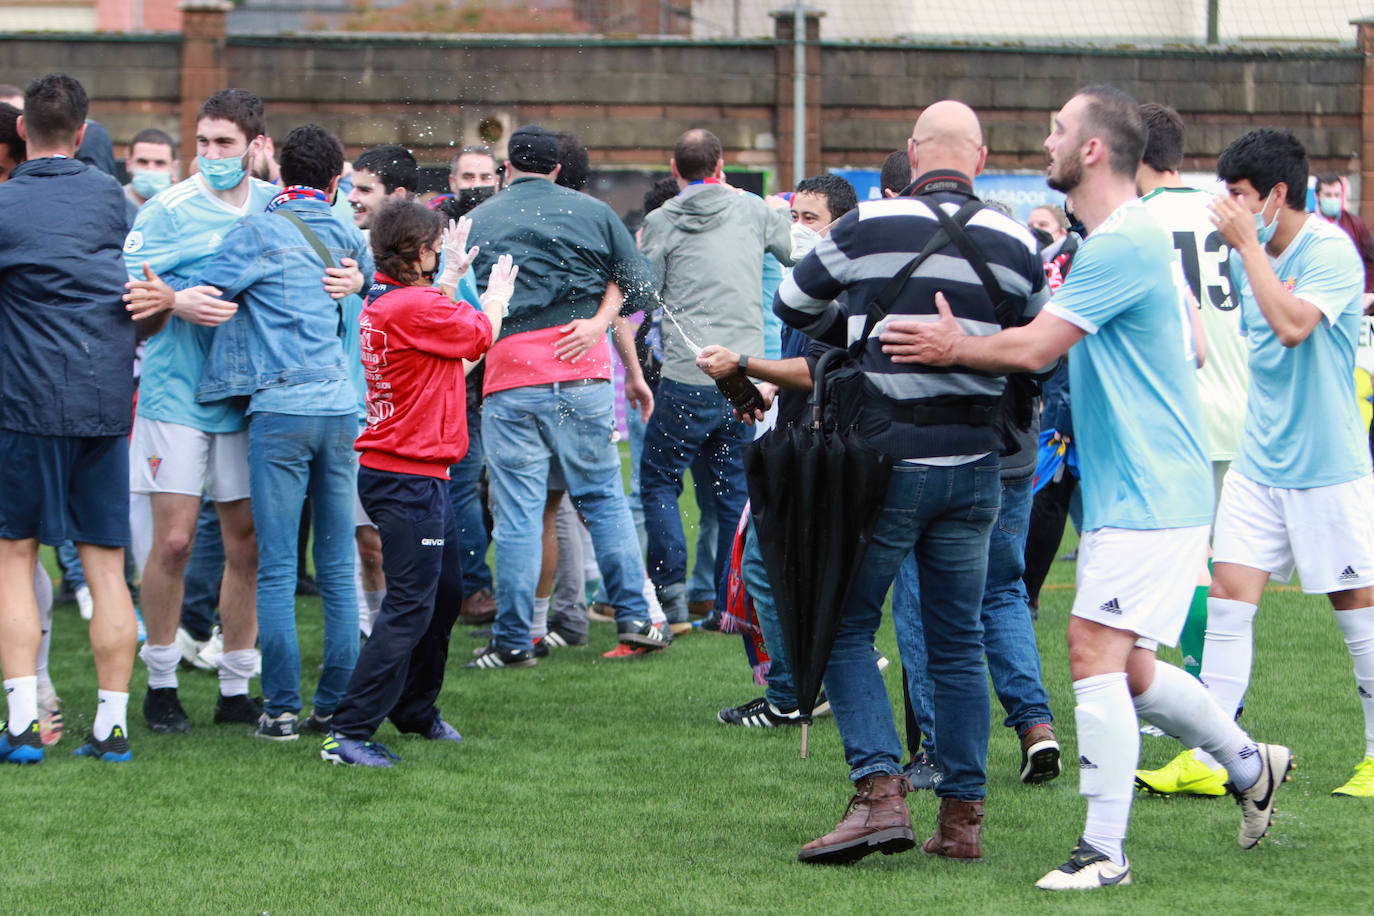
point(296, 192)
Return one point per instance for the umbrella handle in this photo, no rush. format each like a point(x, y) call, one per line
point(806, 727)
point(818, 392)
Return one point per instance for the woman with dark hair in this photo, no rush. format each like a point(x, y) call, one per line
point(417, 344)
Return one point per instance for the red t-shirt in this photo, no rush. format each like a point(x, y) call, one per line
point(414, 341)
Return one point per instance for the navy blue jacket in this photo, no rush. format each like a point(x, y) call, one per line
point(66, 342)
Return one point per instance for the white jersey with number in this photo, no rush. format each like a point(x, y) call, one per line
point(1225, 375)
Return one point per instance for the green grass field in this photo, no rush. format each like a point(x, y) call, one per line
point(585, 785)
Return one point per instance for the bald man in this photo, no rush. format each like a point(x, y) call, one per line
point(944, 495)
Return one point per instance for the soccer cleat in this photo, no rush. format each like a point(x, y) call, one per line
point(1184, 775)
point(1257, 802)
point(492, 657)
point(85, 604)
point(439, 730)
point(351, 751)
point(243, 709)
point(923, 772)
point(163, 713)
point(285, 727)
point(1087, 869)
point(114, 749)
point(316, 722)
point(1361, 785)
point(642, 633)
point(758, 714)
point(23, 748)
point(1039, 755)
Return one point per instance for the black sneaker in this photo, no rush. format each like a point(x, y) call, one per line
point(641, 633)
point(163, 713)
point(492, 657)
point(758, 714)
point(317, 723)
point(241, 709)
point(285, 727)
point(541, 647)
point(922, 772)
point(711, 622)
point(557, 639)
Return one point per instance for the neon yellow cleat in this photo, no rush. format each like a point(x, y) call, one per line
point(1361, 785)
point(1184, 775)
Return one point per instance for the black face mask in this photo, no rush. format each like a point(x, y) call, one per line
point(1042, 238)
point(468, 198)
point(429, 275)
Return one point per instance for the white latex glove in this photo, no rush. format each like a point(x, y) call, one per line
point(500, 285)
point(456, 261)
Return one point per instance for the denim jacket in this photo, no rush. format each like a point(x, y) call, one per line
point(287, 331)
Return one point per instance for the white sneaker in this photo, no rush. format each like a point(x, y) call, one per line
point(211, 651)
point(84, 602)
point(190, 649)
point(1087, 869)
point(1257, 802)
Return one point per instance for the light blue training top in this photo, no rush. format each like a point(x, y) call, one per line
point(1136, 410)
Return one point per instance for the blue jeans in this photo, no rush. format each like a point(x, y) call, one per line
point(781, 693)
point(1008, 636)
point(466, 500)
point(70, 561)
point(203, 574)
point(526, 429)
point(945, 514)
point(635, 427)
point(288, 457)
point(704, 584)
point(690, 420)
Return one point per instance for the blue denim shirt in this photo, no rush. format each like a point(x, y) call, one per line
point(287, 331)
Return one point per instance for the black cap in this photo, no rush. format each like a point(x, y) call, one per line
point(533, 149)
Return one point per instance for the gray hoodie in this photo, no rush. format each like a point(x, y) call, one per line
point(706, 247)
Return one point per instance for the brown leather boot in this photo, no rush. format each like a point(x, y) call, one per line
point(958, 830)
point(876, 820)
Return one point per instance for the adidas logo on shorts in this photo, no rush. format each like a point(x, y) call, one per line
point(1347, 574)
point(1085, 764)
point(1111, 607)
point(1359, 688)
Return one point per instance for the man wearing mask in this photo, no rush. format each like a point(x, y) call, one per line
point(471, 178)
point(1331, 192)
point(152, 165)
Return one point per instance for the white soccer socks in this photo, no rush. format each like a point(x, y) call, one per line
point(235, 668)
point(1183, 708)
point(162, 664)
point(111, 709)
point(1358, 629)
point(21, 693)
point(539, 627)
point(1229, 651)
point(1109, 748)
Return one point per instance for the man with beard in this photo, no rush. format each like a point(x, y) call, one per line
point(1146, 479)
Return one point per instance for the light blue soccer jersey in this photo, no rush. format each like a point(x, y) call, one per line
point(177, 233)
point(1136, 410)
point(1302, 424)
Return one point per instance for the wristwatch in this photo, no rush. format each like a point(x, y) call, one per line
point(743, 364)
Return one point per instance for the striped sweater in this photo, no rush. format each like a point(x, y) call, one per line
point(864, 250)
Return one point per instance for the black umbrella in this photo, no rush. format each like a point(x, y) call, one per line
point(815, 494)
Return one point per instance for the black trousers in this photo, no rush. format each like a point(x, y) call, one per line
point(1049, 512)
point(401, 667)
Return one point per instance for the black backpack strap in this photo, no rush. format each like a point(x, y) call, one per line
point(877, 308)
point(954, 227)
point(320, 250)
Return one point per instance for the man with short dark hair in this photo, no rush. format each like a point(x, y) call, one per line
point(67, 366)
point(284, 351)
point(382, 173)
point(1145, 479)
point(1331, 199)
point(706, 247)
point(152, 165)
point(896, 173)
point(1299, 496)
point(539, 408)
point(11, 144)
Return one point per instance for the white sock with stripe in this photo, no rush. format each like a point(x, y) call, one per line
point(1183, 708)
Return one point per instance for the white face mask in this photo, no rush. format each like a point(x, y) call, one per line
point(1264, 230)
point(804, 238)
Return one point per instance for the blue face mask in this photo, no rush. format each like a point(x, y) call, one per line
point(1264, 230)
point(1330, 206)
point(148, 184)
point(222, 174)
